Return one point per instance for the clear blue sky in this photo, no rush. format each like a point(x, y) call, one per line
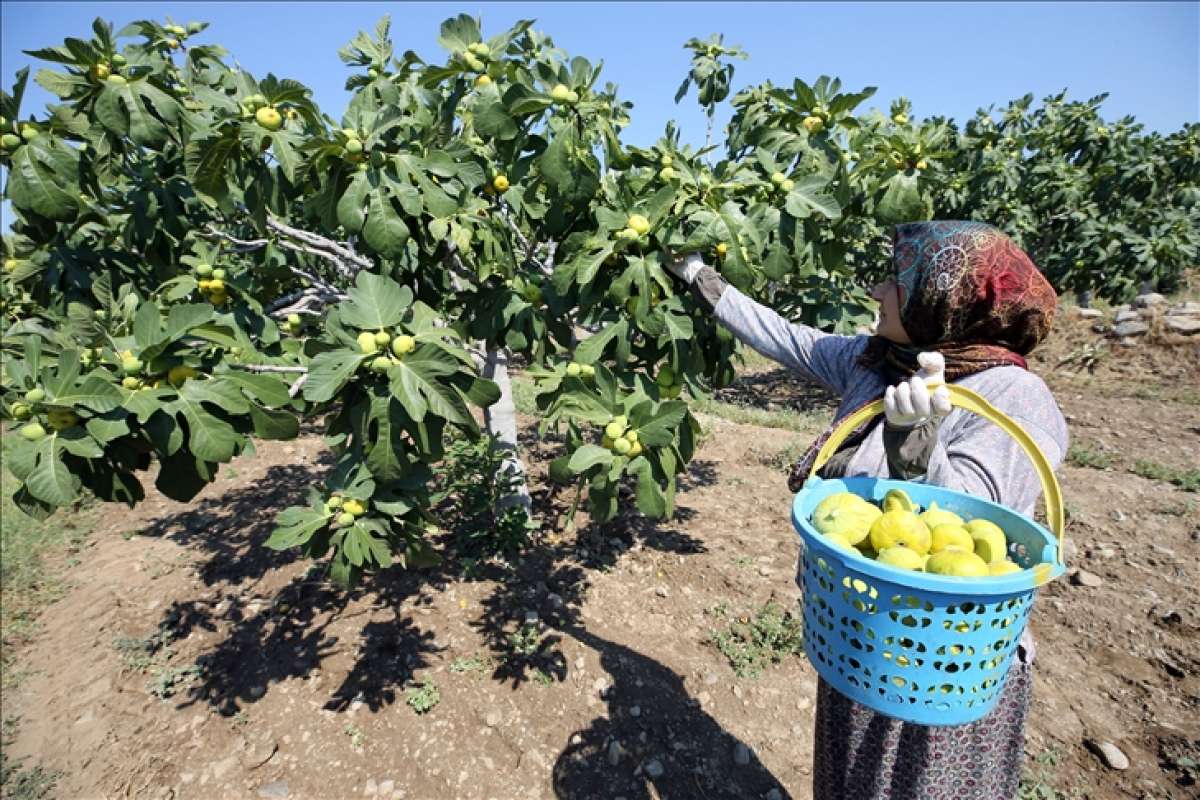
point(948, 58)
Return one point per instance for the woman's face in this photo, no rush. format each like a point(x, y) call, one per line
point(887, 294)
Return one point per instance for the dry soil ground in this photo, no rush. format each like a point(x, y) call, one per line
point(187, 661)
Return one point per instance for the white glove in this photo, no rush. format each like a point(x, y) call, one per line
point(686, 268)
point(911, 403)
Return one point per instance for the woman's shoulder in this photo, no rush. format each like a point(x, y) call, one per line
point(1021, 394)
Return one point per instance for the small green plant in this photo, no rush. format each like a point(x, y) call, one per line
point(525, 641)
point(470, 483)
point(1186, 479)
point(720, 610)
point(1086, 357)
point(1080, 456)
point(753, 644)
point(152, 654)
point(169, 680)
point(464, 664)
point(423, 698)
point(357, 737)
point(1037, 782)
point(17, 781)
point(543, 678)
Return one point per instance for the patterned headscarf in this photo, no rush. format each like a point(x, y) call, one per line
point(968, 292)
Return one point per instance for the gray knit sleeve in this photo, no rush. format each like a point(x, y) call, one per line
point(826, 358)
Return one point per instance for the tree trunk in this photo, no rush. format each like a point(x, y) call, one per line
point(501, 422)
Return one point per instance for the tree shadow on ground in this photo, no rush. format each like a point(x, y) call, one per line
point(227, 525)
point(287, 633)
point(778, 389)
point(671, 743)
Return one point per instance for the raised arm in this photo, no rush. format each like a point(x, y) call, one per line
point(822, 357)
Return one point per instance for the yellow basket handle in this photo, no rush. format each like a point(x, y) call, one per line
point(962, 397)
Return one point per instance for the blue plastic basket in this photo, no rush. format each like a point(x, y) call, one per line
point(923, 648)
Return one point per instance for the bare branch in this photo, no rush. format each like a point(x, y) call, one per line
point(239, 245)
point(335, 251)
point(298, 385)
point(270, 368)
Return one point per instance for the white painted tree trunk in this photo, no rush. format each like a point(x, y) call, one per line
point(501, 422)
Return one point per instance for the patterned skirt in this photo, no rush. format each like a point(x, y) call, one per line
point(862, 755)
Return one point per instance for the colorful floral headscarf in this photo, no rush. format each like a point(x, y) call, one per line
point(968, 292)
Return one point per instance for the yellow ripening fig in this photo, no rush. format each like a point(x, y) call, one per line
point(574, 370)
point(722, 249)
point(778, 178)
point(32, 432)
point(560, 93)
point(382, 338)
point(622, 446)
point(990, 542)
point(269, 118)
point(813, 124)
point(1003, 568)
point(845, 514)
point(631, 436)
point(355, 507)
point(639, 223)
point(840, 541)
point(893, 528)
point(935, 516)
point(403, 344)
point(898, 500)
point(366, 342)
point(344, 519)
point(500, 183)
point(606, 442)
point(922, 164)
point(950, 537)
point(957, 563)
point(614, 430)
point(635, 450)
point(131, 383)
point(901, 558)
point(216, 285)
point(587, 371)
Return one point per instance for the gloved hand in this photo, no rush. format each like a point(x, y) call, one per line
point(686, 268)
point(911, 403)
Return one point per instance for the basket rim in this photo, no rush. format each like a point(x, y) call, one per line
point(1027, 580)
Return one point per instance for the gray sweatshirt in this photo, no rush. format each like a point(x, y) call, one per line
point(970, 454)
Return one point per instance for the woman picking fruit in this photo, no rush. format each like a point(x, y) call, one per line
point(964, 304)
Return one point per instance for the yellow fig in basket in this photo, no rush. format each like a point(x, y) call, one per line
point(901, 557)
point(898, 500)
point(950, 537)
point(840, 541)
point(900, 528)
point(935, 516)
point(990, 544)
point(847, 514)
point(957, 563)
point(1003, 568)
